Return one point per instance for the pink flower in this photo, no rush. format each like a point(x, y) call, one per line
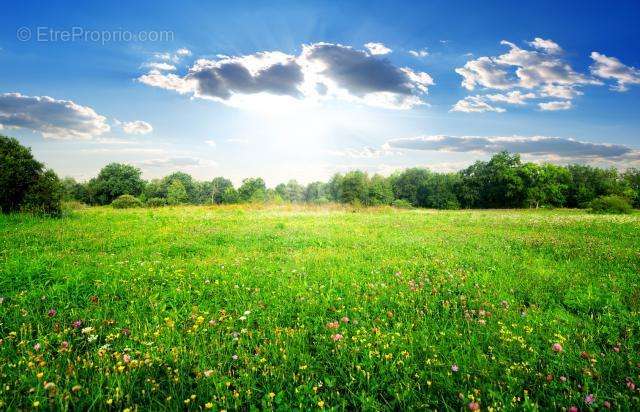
point(574, 409)
point(77, 324)
point(333, 325)
point(606, 404)
point(474, 406)
point(52, 312)
point(126, 358)
point(589, 399)
point(345, 319)
point(336, 337)
point(631, 385)
point(563, 379)
point(454, 368)
point(36, 347)
point(556, 347)
point(126, 331)
point(64, 344)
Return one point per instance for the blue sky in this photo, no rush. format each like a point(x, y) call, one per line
point(289, 89)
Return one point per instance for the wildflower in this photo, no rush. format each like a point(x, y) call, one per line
point(589, 399)
point(563, 379)
point(321, 404)
point(126, 358)
point(126, 331)
point(556, 347)
point(505, 304)
point(87, 330)
point(474, 406)
point(549, 378)
point(606, 404)
point(345, 319)
point(333, 325)
point(208, 373)
point(36, 347)
point(64, 344)
point(243, 317)
point(336, 337)
point(52, 312)
point(76, 388)
point(454, 368)
point(208, 405)
point(584, 355)
point(616, 349)
point(234, 357)
point(36, 404)
point(76, 324)
point(272, 395)
point(49, 386)
point(630, 384)
point(212, 322)
point(247, 312)
point(574, 409)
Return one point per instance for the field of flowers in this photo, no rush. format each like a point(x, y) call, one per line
point(196, 308)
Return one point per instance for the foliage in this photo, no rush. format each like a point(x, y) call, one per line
point(177, 193)
point(155, 202)
point(24, 184)
point(401, 204)
point(252, 190)
point(114, 180)
point(611, 204)
point(126, 202)
point(285, 308)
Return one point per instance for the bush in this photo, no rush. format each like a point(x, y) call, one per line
point(401, 204)
point(611, 204)
point(156, 202)
point(126, 202)
point(44, 196)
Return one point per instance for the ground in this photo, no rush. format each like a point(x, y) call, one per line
point(303, 307)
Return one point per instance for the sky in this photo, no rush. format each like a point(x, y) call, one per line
point(303, 90)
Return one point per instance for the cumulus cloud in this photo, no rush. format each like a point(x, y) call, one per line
point(137, 127)
point(611, 68)
point(377, 48)
point(170, 162)
point(534, 145)
point(548, 46)
point(556, 105)
point(514, 97)
point(366, 152)
point(56, 119)
point(485, 72)
point(475, 104)
point(321, 71)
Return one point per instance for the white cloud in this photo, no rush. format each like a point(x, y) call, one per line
point(377, 48)
point(556, 105)
point(183, 52)
point(238, 140)
point(160, 66)
point(211, 143)
point(548, 46)
point(542, 71)
point(56, 119)
point(475, 104)
point(514, 97)
point(611, 68)
point(365, 153)
point(419, 53)
point(137, 127)
point(321, 71)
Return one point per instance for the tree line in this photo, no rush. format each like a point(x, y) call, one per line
point(504, 181)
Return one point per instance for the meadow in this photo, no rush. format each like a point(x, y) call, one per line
point(284, 307)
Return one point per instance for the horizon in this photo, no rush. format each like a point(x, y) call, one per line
point(304, 91)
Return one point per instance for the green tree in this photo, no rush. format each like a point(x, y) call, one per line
point(316, 192)
point(406, 183)
point(379, 191)
point(18, 172)
point(219, 186)
point(632, 179)
point(334, 188)
point(188, 183)
point(229, 196)
point(354, 187)
point(115, 179)
point(252, 190)
point(438, 191)
point(176, 193)
point(44, 196)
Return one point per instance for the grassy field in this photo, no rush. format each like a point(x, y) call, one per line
point(284, 307)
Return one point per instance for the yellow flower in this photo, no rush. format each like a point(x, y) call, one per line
point(272, 395)
point(321, 403)
point(208, 405)
point(36, 404)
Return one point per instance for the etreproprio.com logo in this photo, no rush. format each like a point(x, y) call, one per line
point(44, 34)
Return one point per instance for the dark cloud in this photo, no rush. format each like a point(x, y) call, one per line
point(537, 145)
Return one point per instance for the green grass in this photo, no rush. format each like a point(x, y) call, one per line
point(172, 288)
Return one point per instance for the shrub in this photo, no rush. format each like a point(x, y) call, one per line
point(611, 204)
point(156, 202)
point(126, 202)
point(44, 196)
point(401, 204)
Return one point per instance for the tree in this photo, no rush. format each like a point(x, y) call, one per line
point(187, 182)
point(316, 192)
point(354, 187)
point(438, 191)
point(252, 190)
point(379, 191)
point(176, 193)
point(18, 172)
point(44, 196)
point(334, 188)
point(229, 196)
point(405, 184)
point(493, 184)
point(632, 179)
point(589, 183)
point(72, 190)
point(292, 191)
point(219, 186)
point(114, 180)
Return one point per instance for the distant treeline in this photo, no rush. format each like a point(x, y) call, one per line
point(502, 182)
